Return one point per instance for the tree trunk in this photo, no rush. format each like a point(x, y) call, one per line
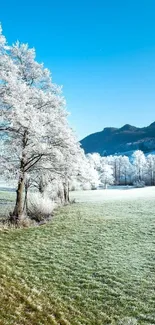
point(18, 210)
point(41, 187)
point(125, 178)
point(115, 172)
point(66, 194)
point(139, 175)
point(119, 176)
point(25, 207)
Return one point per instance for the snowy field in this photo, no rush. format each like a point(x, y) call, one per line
point(122, 193)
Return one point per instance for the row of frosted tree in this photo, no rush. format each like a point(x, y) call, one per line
point(38, 149)
point(139, 170)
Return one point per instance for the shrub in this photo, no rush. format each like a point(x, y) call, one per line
point(75, 186)
point(54, 191)
point(13, 222)
point(139, 184)
point(40, 207)
point(86, 186)
point(25, 222)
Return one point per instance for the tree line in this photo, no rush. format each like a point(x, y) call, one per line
point(138, 170)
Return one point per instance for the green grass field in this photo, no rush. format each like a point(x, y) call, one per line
point(94, 264)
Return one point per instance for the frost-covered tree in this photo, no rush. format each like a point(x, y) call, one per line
point(94, 160)
point(126, 171)
point(150, 170)
point(87, 177)
point(115, 162)
point(106, 175)
point(139, 163)
point(33, 118)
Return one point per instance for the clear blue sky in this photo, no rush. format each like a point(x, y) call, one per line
point(102, 52)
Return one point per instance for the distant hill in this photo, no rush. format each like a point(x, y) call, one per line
point(122, 140)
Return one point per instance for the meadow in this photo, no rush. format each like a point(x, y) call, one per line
point(93, 264)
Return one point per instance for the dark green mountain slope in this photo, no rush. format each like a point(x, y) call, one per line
point(120, 140)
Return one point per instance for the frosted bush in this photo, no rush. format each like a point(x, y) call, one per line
point(93, 187)
point(54, 191)
point(40, 206)
point(25, 221)
point(139, 184)
point(86, 186)
point(75, 186)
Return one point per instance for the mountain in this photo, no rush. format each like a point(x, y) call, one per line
point(122, 140)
